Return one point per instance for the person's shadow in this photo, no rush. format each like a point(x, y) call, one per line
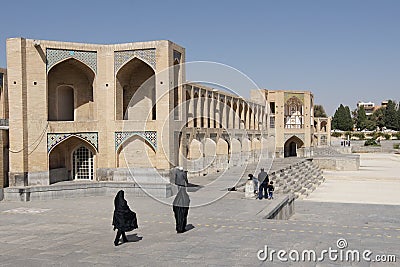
point(189, 227)
point(134, 238)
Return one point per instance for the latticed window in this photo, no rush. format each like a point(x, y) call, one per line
point(82, 164)
point(272, 122)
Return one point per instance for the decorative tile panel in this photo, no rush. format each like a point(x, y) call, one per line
point(299, 96)
point(53, 139)
point(54, 56)
point(150, 136)
point(147, 55)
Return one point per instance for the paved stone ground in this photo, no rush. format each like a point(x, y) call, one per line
point(228, 232)
point(376, 182)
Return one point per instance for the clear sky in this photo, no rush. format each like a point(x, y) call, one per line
point(341, 50)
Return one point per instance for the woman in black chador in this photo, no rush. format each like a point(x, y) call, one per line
point(181, 209)
point(124, 219)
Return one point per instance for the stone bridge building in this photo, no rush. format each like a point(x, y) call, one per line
point(91, 112)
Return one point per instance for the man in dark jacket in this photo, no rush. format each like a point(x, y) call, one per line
point(181, 177)
point(263, 180)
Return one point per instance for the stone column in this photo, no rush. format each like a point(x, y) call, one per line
point(212, 110)
point(190, 114)
point(242, 117)
point(248, 117)
point(231, 114)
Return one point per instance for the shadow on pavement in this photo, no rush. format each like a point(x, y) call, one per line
point(134, 238)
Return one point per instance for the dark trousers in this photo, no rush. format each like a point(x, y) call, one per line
point(118, 236)
point(263, 187)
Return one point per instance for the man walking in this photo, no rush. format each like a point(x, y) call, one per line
point(263, 180)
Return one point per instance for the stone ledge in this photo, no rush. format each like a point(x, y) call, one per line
point(282, 210)
point(79, 189)
point(338, 163)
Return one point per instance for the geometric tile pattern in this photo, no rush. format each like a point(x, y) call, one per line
point(150, 136)
point(146, 55)
point(288, 136)
point(54, 56)
point(54, 139)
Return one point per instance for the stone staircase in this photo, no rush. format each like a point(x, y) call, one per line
point(300, 178)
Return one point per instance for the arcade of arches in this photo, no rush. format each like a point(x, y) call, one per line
point(100, 109)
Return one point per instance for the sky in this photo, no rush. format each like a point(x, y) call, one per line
point(343, 51)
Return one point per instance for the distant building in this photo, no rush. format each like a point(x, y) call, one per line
point(369, 107)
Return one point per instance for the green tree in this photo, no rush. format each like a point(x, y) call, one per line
point(319, 111)
point(370, 125)
point(342, 119)
point(391, 116)
point(337, 117)
point(378, 117)
point(348, 121)
point(361, 118)
point(398, 118)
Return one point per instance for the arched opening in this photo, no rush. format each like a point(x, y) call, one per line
point(189, 110)
point(70, 92)
point(292, 145)
point(202, 114)
point(195, 150)
point(72, 159)
point(176, 89)
point(229, 118)
point(241, 122)
point(136, 152)
point(235, 116)
point(323, 126)
point(135, 91)
point(196, 118)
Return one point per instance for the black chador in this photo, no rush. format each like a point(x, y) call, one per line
point(124, 219)
point(181, 209)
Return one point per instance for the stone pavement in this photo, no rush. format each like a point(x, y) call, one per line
point(78, 232)
point(376, 182)
point(226, 232)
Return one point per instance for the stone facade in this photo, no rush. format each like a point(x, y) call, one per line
point(3, 129)
point(291, 119)
point(107, 112)
point(72, 98)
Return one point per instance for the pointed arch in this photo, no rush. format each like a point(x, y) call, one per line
point(61, 162)
point(136, 151)
point(292, 145)
point(135, 91)
point(79, 77)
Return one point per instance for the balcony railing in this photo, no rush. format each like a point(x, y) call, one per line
point(294, 122)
